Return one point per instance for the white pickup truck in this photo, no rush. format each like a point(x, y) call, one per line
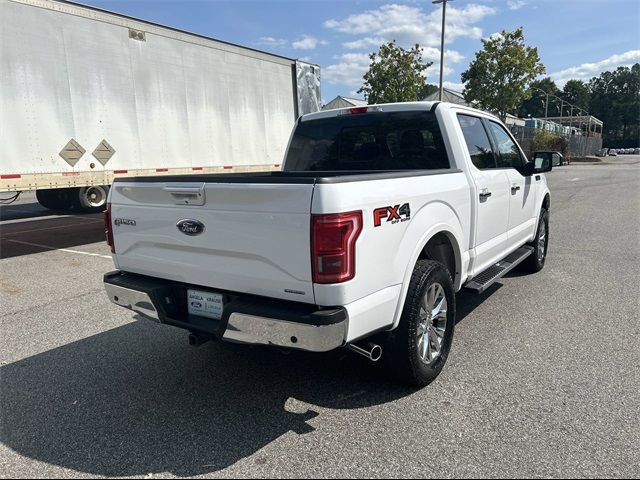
point(379, 216)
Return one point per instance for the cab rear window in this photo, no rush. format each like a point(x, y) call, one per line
point(368, 141)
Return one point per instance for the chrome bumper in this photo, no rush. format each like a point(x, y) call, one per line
point(134, 300)
point(246, 319)
point(251, 329)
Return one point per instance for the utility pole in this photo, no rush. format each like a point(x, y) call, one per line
point(444, 13)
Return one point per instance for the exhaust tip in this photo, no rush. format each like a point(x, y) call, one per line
point(370, 350)
point(376, 353)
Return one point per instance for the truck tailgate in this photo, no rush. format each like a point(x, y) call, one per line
point(256, 237)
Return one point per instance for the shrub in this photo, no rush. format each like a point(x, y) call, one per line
point(544, 140)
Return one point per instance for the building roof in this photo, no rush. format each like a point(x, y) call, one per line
point(342, 102)
point(451, 96)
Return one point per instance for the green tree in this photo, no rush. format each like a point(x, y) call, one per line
point(535, 105)
point(395, 75)
point(615, 99)
point(577, 93)
point(499, 77)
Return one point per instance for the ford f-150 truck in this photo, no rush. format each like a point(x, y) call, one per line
point(379, 216)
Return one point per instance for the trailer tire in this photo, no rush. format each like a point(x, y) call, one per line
point(46, 199)
point(59, 198)
point(416, 351)
point(93, 199)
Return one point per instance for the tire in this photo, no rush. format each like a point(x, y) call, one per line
point(93, 199)
point(535, 262)
point(409, 355)
point(59, 198)
point(46, 199)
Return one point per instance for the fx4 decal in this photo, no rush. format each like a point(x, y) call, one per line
point(392, 214)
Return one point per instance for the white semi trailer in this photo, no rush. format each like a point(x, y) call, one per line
point(87, 96)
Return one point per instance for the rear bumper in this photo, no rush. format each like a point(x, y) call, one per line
point(245, 319)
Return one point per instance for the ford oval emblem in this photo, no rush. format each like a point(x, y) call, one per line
point(191, 227)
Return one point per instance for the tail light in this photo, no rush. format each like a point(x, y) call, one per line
point(358, 110)
point(108, 229)
point(333, 246)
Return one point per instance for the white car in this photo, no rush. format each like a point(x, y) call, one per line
point(380, 215)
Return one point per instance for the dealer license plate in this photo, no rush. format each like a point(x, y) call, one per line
point(205, 304)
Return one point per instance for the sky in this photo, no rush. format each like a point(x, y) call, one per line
point(575, 38)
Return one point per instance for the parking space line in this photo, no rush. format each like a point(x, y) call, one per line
point(68, 250)
point(44, 218)
point(51, 228)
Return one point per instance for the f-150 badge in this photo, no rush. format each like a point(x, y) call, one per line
point(394, 214)
point(124, 221)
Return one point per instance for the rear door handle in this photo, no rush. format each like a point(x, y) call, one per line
point(514, 189)
point(484, 194)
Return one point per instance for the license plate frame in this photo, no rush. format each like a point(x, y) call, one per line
point(205, 304)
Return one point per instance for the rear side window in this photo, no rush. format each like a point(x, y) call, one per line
point(477, 141)
point(368, 141)
point(507, 148)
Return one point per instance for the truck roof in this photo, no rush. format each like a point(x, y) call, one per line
point(391, 107)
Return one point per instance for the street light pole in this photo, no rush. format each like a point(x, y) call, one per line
point(546, 102)
point(444, 13)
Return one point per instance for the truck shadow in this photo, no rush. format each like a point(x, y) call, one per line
point(137, 400)
point(467, 301)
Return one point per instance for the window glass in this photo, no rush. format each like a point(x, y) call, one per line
point(509, 153)
point(368, 141)
point(477, 141)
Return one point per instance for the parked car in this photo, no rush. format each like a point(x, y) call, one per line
point(636, 151)
point(380, 215)
point(613, 152)
point(555, 158)
point(602, 152)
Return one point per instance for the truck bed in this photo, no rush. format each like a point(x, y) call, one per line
point(291, 177)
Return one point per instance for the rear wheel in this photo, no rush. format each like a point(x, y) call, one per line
point(417, 350)
point(94, 198)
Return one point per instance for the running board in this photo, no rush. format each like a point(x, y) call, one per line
point(484, 280)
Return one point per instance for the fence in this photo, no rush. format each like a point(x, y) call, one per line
point(579, 145)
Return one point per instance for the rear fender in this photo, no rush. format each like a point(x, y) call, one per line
point(441, 218)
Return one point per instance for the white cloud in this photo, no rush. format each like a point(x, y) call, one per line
point(409, 25)
point(588, 70)
point(458, 87)
point(307, 42)
point(516, 4)
point(363, 43)
point(348, 71)
point(272, 42)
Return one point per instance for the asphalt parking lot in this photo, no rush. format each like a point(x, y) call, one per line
point(542, 380)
